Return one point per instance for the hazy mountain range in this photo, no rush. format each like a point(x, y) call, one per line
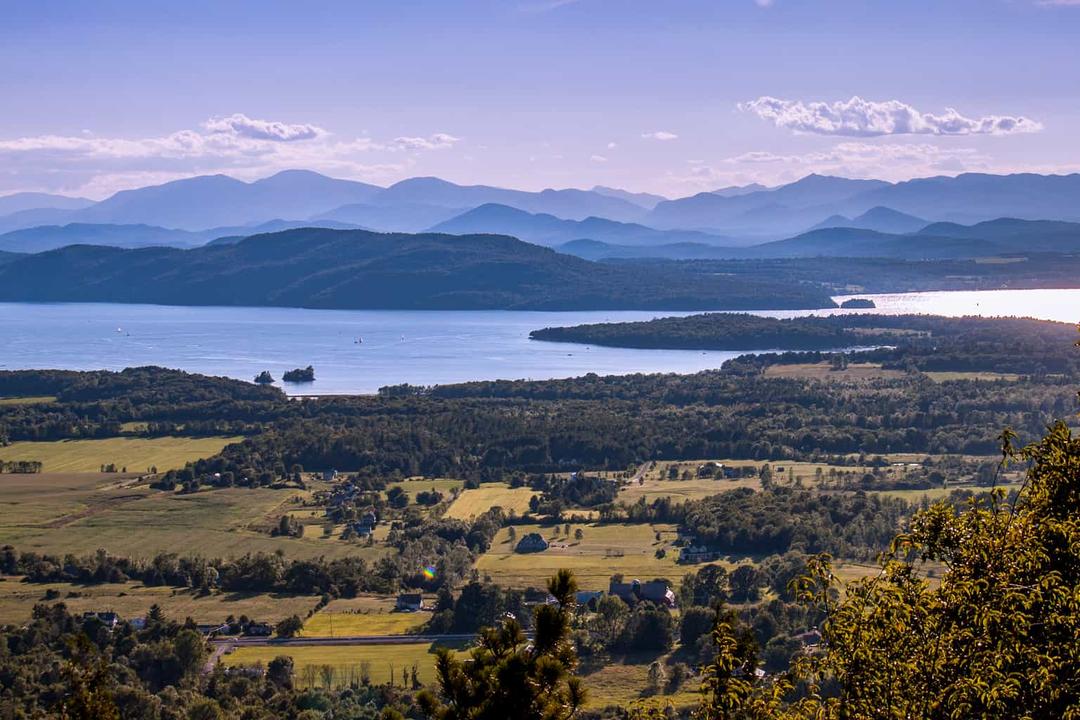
point(544, 229)
point(194, 211)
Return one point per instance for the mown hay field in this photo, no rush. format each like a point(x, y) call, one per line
point(79, 513)
point(604, 550)
point(363, 616)
point(138, 455)
point(133, 600)
point(477, 501)
point(346, 661)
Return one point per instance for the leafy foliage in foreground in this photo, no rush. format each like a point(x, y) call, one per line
point(510, 678)
point(999, 637)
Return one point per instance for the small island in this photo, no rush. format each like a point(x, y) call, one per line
point(264, 378)
point(858, 304)
point(300, 375)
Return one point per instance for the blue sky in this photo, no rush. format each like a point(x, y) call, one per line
point(672, 97)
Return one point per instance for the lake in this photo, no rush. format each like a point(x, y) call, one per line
point(398, 346)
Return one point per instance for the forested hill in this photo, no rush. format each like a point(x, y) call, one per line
point(322, 268)
point(738, 331)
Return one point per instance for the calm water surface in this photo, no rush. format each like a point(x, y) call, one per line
point(419, 347)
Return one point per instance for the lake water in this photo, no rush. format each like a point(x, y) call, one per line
point(418, 347)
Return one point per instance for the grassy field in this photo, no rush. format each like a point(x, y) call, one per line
point(136, 454)
point(680, 490)
point(131, 600)
point(345, 660)
point(362, 616)
point(471, 503)
point(78, 513)
point(604, 550)
point(415, 485)
point(824, 371)
point(623, 683)
point(933, 494)
point(988, 376)
point(28, 400)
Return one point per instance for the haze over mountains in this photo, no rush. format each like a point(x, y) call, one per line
point(803, 217)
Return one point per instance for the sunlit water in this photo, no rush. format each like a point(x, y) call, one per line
point(418, 347)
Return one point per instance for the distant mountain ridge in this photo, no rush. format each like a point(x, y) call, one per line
point(597, 250)
point(19, 202)
point(878, 218)
point(967, 198)
point(748, 214)
point(50, 237)
point(544, 229)
point(1004, 236)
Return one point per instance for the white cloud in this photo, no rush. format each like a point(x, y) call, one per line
point(867, 118)
point(612, 146)
point(243, 126)
point(235, 144)
point(598, 159)
point(763, 3)
point(661, 135)
point(438, 141)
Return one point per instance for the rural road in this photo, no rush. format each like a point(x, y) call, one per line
point(342, 640)
point(642, 469)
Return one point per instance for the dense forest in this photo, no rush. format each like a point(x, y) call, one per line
point(976, 337)
point(483, 430)
point(886, 275)
point(323, 268)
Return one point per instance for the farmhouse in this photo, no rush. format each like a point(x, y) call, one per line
point(532, 542)
point(697, 553)
point(365, 526)
point(110, 618)
point(584, 597)
point(534, 596)
point(410, 602)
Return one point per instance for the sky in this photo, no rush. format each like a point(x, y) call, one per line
point(671, 97)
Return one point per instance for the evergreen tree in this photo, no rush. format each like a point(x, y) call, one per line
point(510, 678)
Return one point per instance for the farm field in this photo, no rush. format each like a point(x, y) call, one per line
point(680, 490)
point(39, 498)
point(824, 371)
point(362, 616)
point(986, 376)
point(419, 484)
point(933, 494)
point(136, 454)
point(132, 599)
point(28, 400)
point(78, 513)
point(604, 550)
point(622, 684)
point(382, 660)
point(476, 501)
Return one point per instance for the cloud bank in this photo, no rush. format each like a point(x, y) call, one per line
point(235, 144)
point(662, 135)
point(867, 118)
